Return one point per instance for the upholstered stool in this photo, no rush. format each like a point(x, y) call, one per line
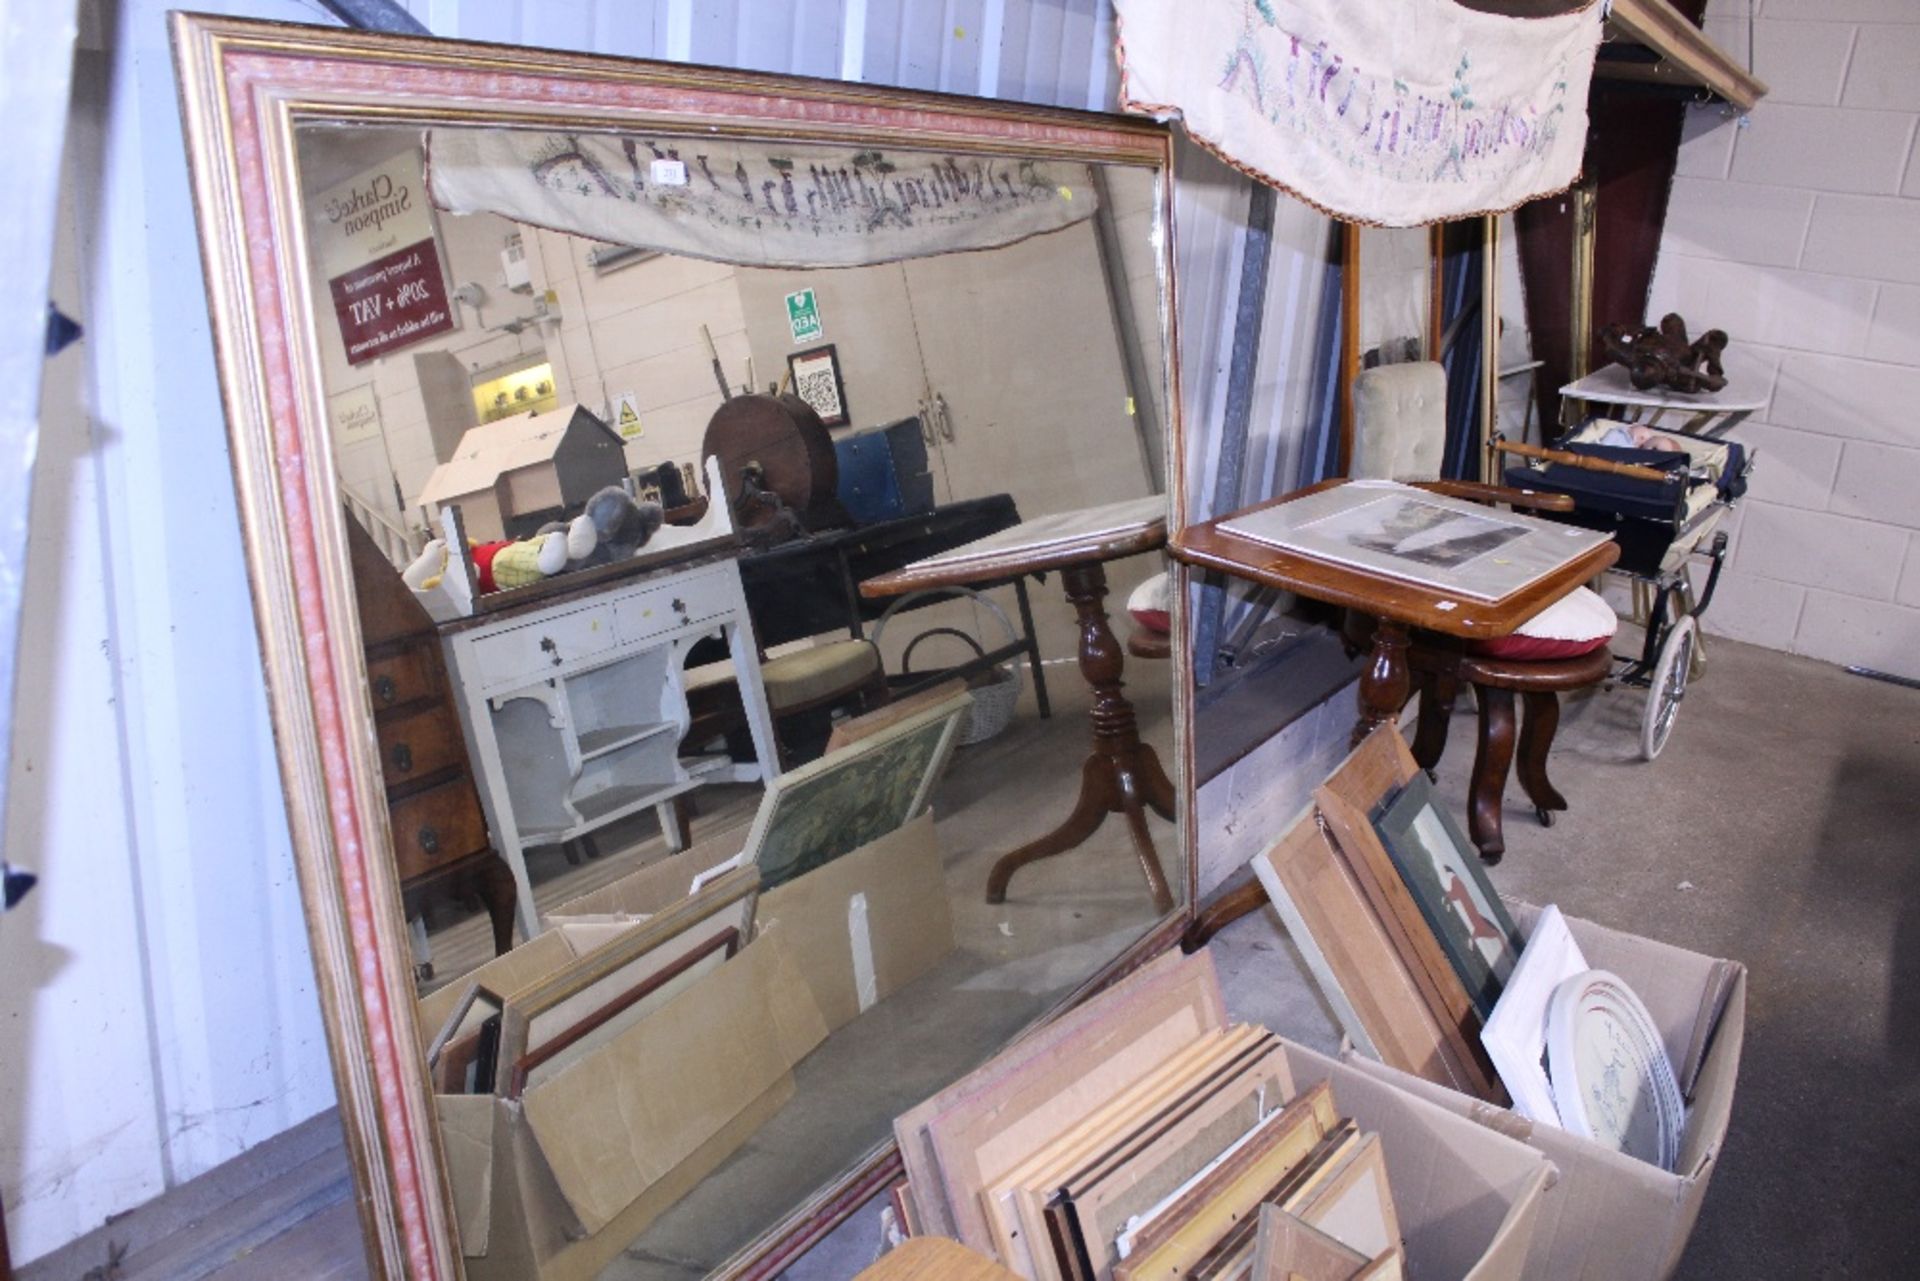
point(1563, 647)
point(1495, 681)
point(801, 680)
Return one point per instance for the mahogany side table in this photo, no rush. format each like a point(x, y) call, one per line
point(1396, 604)
point(1121, 774)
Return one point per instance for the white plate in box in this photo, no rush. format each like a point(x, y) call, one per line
point(1611, 1076)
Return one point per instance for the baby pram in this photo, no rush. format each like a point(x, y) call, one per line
point(1663, 506)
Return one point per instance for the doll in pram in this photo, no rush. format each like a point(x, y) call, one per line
point(1662, 495)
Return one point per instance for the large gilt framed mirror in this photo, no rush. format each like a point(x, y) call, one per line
point(415, 319)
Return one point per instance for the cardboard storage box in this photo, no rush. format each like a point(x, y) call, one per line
point(555, 1185)
point(1610, 1215)
point(587, 1159)
point(1468, 1199)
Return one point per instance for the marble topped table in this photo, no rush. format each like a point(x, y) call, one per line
point(1710, 413)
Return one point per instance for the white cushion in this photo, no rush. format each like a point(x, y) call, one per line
point(1580, 615)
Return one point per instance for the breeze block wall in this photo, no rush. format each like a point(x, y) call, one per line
point(1797, 230)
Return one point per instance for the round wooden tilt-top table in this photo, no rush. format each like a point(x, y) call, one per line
point(1121, 775)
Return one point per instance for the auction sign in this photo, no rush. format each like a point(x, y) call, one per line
point(374, 238)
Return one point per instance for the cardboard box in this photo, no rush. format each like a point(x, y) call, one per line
point(574, 1170)
point(1611, 1215)
point(1468, 1198)
point(868, 923)
point(555, 1185)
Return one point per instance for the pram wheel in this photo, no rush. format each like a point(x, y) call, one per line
point(1667, 686)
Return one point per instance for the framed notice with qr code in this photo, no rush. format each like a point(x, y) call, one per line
point(816, 380)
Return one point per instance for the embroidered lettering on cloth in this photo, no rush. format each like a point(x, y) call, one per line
point(1390, 114)
point(768, 204)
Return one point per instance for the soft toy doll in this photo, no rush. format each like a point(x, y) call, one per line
point(622, 525)
point(554, 549)
point(508, 563)
point(613, 527)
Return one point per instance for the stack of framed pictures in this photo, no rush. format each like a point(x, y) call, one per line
point(1138, 1137)
point(1395, 917)
point(499, 1039)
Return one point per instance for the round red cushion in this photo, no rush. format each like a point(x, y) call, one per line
point(1536, 648)
point(1148, 605)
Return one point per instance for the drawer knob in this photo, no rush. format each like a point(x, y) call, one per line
point(403, 758)
point(429, 839)
point(384, 689)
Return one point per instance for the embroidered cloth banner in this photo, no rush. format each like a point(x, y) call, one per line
point(768, 204)
point(1391, 114)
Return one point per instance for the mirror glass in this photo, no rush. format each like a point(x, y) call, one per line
point(511, 369)
point(1396, 295)
point(1514, 406)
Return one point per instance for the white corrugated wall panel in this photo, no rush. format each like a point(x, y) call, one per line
point(802, 37)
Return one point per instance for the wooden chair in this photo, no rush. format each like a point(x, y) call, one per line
point(1400, 432)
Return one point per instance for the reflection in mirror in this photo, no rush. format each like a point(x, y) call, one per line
point(553, 729)
point(1396, 293)
point(1515, 412)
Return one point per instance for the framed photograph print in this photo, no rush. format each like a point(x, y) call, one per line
point(1444, 875)
point(816, 380)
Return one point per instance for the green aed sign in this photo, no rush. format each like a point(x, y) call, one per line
point(803, 316)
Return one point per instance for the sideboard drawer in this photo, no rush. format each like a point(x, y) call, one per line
point(403, 677)
point(662, 609)
point(528, 653)
point(415, 744)
point(437, 826)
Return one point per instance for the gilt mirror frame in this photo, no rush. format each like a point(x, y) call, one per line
point(245, 88)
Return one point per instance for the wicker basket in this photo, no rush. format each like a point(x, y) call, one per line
point(996, 692)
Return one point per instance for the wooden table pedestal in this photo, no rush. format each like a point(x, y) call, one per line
point(1121, 775)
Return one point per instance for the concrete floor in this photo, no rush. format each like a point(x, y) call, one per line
point(1063, 919)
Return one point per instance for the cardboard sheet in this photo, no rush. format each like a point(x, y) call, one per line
point(613, 1124)
point(879, 914)
point(466, 1131)
point(656, 885)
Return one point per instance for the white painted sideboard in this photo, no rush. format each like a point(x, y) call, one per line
point(573, 710)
